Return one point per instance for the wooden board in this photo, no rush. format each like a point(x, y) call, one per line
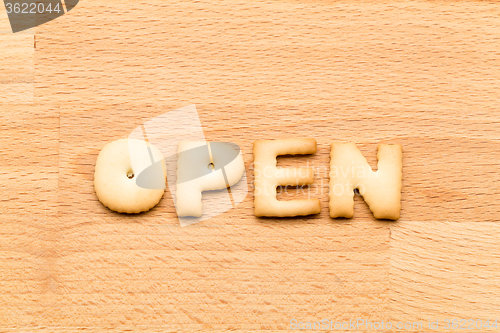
point(422, 74)
point(18, 64)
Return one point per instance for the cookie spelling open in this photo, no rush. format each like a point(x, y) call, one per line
point(130, 177)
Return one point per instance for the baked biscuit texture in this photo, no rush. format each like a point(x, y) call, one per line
point(116, 171)
point(201, 166)
point(380, 189)
point(267, 177)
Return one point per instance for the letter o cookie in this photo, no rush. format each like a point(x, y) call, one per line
point(116, 172)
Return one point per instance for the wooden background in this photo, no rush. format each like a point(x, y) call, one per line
point(422, 74)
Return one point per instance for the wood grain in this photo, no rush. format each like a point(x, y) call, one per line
point(18, 64)
point(422, 74)
point(445, 270)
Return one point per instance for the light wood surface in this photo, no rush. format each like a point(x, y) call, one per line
point(422, 74)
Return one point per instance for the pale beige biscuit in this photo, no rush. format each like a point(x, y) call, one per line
point(120, 160)
point(381, 189)
point(268, 177)
point(200, 167)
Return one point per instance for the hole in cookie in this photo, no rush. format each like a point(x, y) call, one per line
point(211, 165)
point(130, 175)
point(356, 191)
